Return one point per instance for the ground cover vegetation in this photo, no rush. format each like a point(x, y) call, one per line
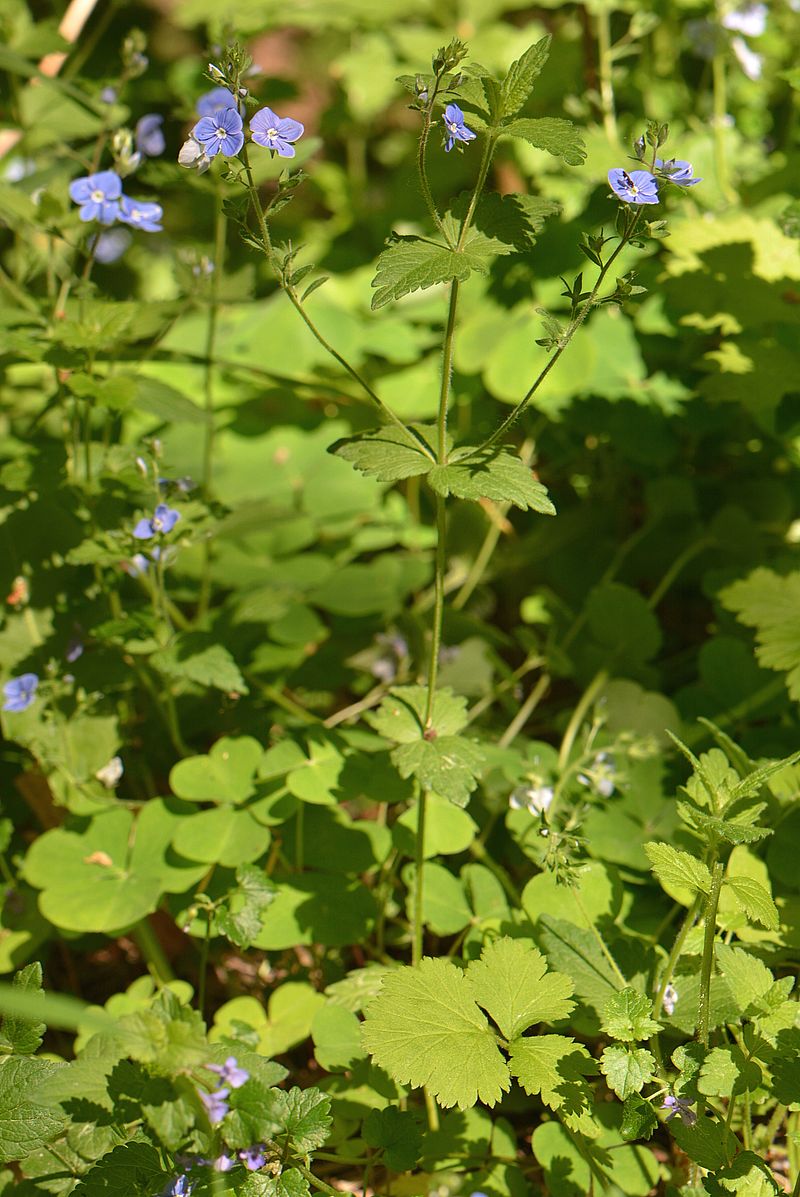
point(400, 652)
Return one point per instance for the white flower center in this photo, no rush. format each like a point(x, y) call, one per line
point(98, 196)
point(221, 132)
point(453, 127)
point(272, 134)
point(136, 214)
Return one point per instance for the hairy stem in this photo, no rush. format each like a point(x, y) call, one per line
point(220, 237)
point(707, 965)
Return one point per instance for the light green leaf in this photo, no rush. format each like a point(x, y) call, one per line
point(241, 918)
point(23, 1036)
point(769, 602)
point(225, 775)
point(748, 978)
point(755, 901)
point(501, 224)
point(444, 904)
point(517, 87)
point(627, 1069)
point(627, 1016)
point(554, 1067)
point(425, 1029)
point(290, 1183)
point(512, 984)
point(388, 454)
point(747, 1176)
point(497, 474)
point(204, 664)
point(676, 869)
point(24, 1124)
point(553, 134)
point(401, 716)
point(337, 1038)
point(412, 264)
point(222, 835)
point(574, 951)
point(726, 1072)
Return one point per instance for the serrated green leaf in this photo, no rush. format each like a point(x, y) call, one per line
point(575, 951)
point(726, 1072)
point(517, 87)
point(132, 1168)
point(194, 659)
point(626, 1016)
point(388, 454)
point(512, 984)
point(769, 602)
point(425, 1029)
point(501, 224)
point(554, 1068)
point(397, 1133)
point(553, 134)
point(755, 901)
point(639, 1119)
point(412, 264)
point(298, 1120)
point(23, 1035)
point(24, 1124)
point(240, 919)
point(748, 978)
point(708, 1143)
point(440, 759)
point(747, 1176)
point(627, 1069)
point(676, 869)
point(497, 474)
point(290, 1183)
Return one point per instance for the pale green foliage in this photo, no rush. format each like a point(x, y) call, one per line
point(769, 602)
point(554, 1068)
point(428, 1027)
point(550, 133)
point(627, 1069)
point(755, 901)
point(497, 474)
point(677, 869)
point(627, 1016)
point(388, 454)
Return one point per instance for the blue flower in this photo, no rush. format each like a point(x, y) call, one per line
point(181, 1186)
point(681, 1106)
point(109, 247)
point(216, 1105)
point(215, 101)
point(20, 692)
point(223, 1163)
point(141, 214)
point(219, 134)
point(163, 520)
point(751, 20)
point(636, 187)
point(678, 171)
point(98, 196)
point(456, 129)
point(276, 133)
point(148, 134)
point(230, 1073)
point(253, 1158)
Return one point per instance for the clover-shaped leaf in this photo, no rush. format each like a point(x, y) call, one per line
point(224, 775)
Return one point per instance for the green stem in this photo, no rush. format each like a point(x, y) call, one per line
point(674, 956)
point(149, 945)
point(601, 942)
point(603, 24)
point(202, 968)
point(220, 237)
point(525, 711)
point(573, 326)
point(573, 727)
point(419, 861)
point(707, 965)
point(720, 92)
point(421, 163)
point(315, 1180)
point(675, 568)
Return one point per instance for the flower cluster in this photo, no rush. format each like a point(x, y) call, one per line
point(220, 130)
point(100, 198)
point(20, 692)
point(162, 520)
point(641, 186)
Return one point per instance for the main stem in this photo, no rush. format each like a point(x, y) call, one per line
point(220, 234)
point(703, 1014)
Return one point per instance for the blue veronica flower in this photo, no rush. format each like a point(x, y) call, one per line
point(109, 247)
point(215, 1103)
point(230, 1073)
point(634, 187)
point(181, 1186)
point(223, 1163)
point(108, 95)
point(214, 101)
point(149, 136)
point(276, 133)
point(219, 134)
point(98, 196)
point(163, 520)
point(20, 692)
point(140, 214)
point(454, 125)
point(678, 171)
point(253, 1158)
point(681, 1106)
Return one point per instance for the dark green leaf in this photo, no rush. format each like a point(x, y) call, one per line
point(517, 87)
point(496, 474)
point(553, 134)
point(388, 454)
point(23, 1035)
